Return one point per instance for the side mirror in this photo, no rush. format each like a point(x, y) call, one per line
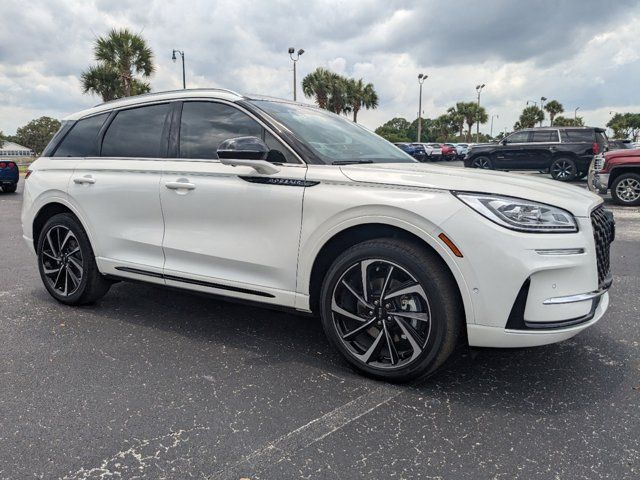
point(246, 151)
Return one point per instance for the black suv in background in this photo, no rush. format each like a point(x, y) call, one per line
point(565, 152)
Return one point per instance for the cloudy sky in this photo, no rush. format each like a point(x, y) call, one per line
point(584, 53)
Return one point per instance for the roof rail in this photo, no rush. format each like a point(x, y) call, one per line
point(150, 94)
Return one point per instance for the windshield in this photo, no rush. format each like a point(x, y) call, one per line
point(334, 139)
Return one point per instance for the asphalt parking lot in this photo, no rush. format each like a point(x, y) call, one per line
point(151, 383)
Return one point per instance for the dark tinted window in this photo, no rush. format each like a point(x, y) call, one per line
point(578, 136)
point(136, 133)
point(204, 125)
point(544, 136)
point(81, 141)
point(279, 153)
point(518, 137)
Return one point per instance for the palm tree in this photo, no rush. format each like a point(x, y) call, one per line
point(337, 100)
point(530, 116)
point(472, 115)
point(121, 55)
point(318, 84)
point(360, 96)
point(457, 115)
point(553, 108)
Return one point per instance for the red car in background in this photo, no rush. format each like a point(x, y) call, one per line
point(449, 152)
point(619, 172)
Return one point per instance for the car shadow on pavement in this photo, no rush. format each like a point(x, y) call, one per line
point(548, 380)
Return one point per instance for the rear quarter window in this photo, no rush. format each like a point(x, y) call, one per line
point(82, 140)
point(578, 136)
point(137, 132)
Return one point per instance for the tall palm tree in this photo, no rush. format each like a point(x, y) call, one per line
point(121, 55)
point(337, 100)
point(472, 115)
point(318, 84)
point(553, 108)
point(360, 96)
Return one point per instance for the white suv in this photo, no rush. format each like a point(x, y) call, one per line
point(286, 204)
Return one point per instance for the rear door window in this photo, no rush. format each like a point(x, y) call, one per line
point(137, 132)
point(82, 140)
point(578, 136)
point(544, 136)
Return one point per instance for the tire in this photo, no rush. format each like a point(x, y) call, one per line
point(625, 189)
point(66, 262)
point(10, 188)
point(410, 335)
point(563, 169)
point(482, 162)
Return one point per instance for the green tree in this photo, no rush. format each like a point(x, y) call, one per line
point(529, 117)
point(625, 125)
point(395, 130)
point(318, 84)
point(553, 108)
point(472, 115)
point(561, 121)
point(360, 95)
point(1, 139)
point(457, 116)
point(121, 55)
point(338, 101)
point(37, 133)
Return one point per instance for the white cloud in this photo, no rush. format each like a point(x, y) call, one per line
point(520, 50)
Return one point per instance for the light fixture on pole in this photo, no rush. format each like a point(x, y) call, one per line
point(174, 58)
point(542, 100)
point(294, 57)
point(421, 78)
point(478, 89)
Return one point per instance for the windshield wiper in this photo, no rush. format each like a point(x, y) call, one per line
point(350, 162)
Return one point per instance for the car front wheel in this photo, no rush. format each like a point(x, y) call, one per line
point(482, 162)
point(392, 309)
point(10, 188)
point(66, 262)
point(626, 189)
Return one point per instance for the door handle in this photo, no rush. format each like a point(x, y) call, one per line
point(86, 179)
point(180, 186)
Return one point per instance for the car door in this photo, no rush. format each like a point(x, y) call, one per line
point(541, 147)
point(116, 191)
point(512, 154)
point(230, 230)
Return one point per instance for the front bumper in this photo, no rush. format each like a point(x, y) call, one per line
point(597, 181)
point(527, 289)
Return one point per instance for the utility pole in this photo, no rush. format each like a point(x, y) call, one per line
point(542, 100)
point(292, 51)
point(478, 89)
point(491, 131)
point(421, 78)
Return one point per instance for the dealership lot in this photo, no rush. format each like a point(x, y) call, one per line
point(152, 383)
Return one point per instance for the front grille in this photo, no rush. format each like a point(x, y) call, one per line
point(603, 233)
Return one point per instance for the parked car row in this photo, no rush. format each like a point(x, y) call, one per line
point(433, 152)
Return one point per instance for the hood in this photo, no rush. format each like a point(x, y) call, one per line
point(576, 200)
point(627, 152)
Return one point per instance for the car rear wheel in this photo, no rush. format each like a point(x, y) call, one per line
point(482, 162)
point(625, 189)
point(564, 170)
point(66, 262)
point(392, 309)
point(10, 188)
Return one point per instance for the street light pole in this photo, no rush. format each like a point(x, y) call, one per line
point(575, 113)
point(542, 100)
point(491, 131)
point(173, 57)
point(292, 52)
point(421, 78)
point(478, 89)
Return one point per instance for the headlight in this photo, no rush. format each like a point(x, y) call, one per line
point(521, 215)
